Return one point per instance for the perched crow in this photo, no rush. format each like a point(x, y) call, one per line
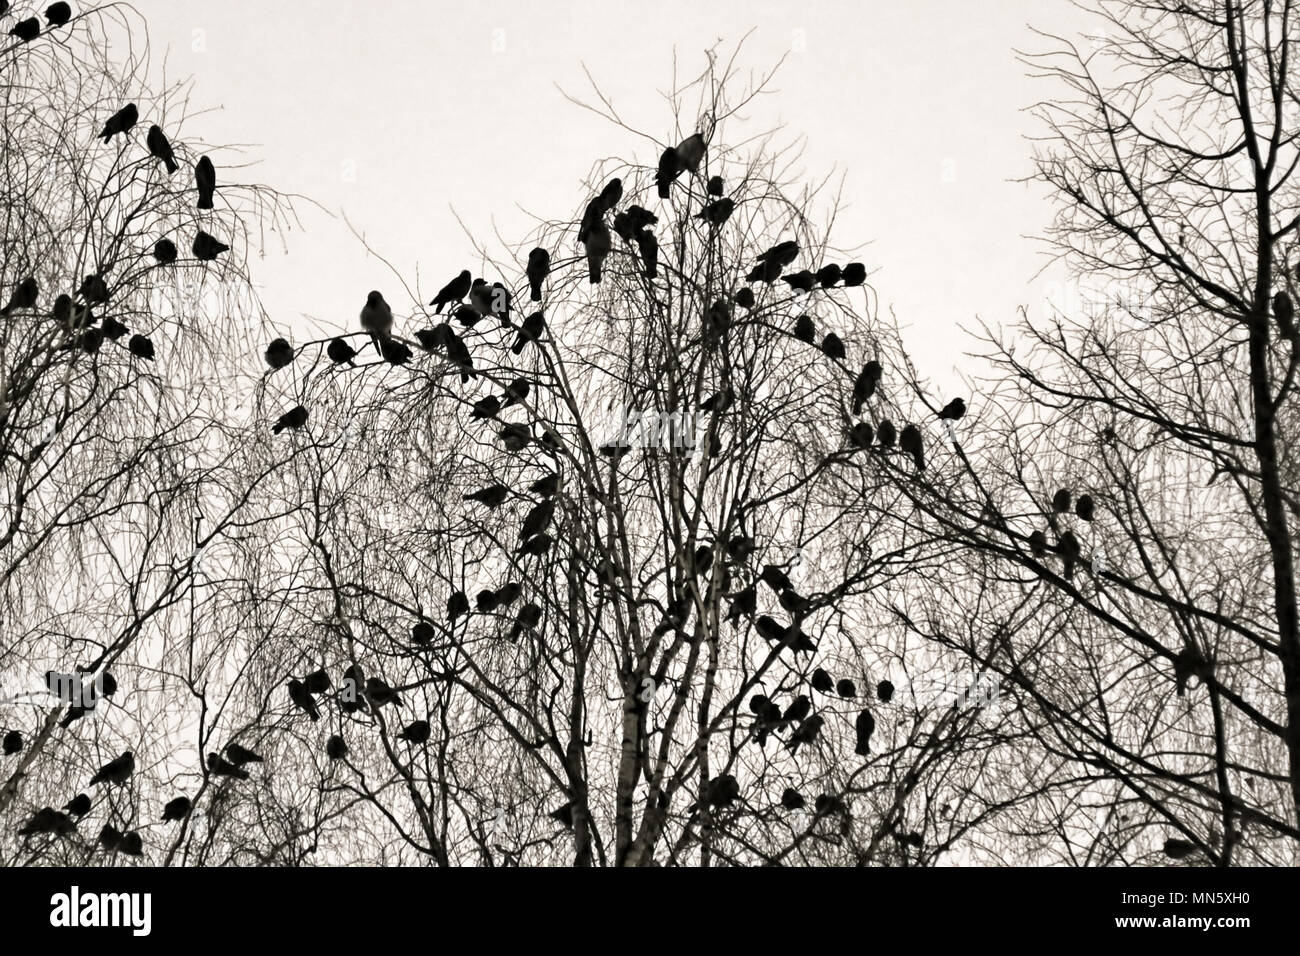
point(159, 148)
point(783, 253)
point(546, 486)
point(78, 806)
point(23, 297)
point(294, 418)
point(241, 755)
point(885, 691)
point(1061, 501)
point(1177, 849)
point(743, 602)
point(865, 726)
point(670, 167)
point(515, 437)
point(453, 292)
point(57, 14)
point(690, 152)
point(339, 351)
point(110, 838)
point(846, 688)
point(26, 30)
point(791, 799)
point(47, 820)
point(886, 433)
point(508, 593)
point(318, 681)
point(953, 410)
point(13, 743)
point(801, 281)
point(720, 791)
point(206, 247)
point(302, 699)
point(377, 316)
point(793, 601)
point(528, 618)
point(649, 247)
point(140, 347)
point(595, 213)
point(205, 178)
point(767, 272)
point(1084, 507)
point(774, 578)
point(832, 346)
point(393, 352)
point(486, 601)
point(469, 315)
point(910, 442)
point(380, 694)
point(116, 771)
point(93, 290)
point(539, 267)
point(611, 194)
point(132, 844)
point(719, 401)
point(804, 330)
point(486, 407)
point(806, 733)
point(826, 804)
point(416, 732)
point(821, 681)
point(350, 696)
point(220, 767)
point(865, 386)
point(164, 252)
point(740, 547)
point(861, 435)
point(178, 808)
point(563, 815)
point(492, 496)
point(799, 708)
point(530, 330)
point(827, 275)
point(537, 520)
point(1069, 550)
point(515, 392)
point(855, 273)
point(120, 122)
point(717, 212)
point(1038, 544)
point(279, 353)
point(112, 328)
point(335, 748)
point(536, 546)
point(422, 632)
point(457, 606)
point(745, 298)
point(598, 244)
point(1284, 313)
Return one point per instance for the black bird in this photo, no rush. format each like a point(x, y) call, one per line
point(690, 152)
point(1038, 544)
point(159, 148)
point(865, 726)
point(416, 732)
point(132, 844)
point(806, 733)
point(302, 699)
point(804, 330)
point(492, 496)
point(26, 30)
point(791, 799)
point(178, 808)
point(78, 806)
point(164, 252)
point(767, 272)
point(120, 122)
point(910, 442)
point(1069, 550)
point(206, 247)
point(832, 346)
point(220, 767)
point(528, 618)
point(801, 281)
point(649, 246)
point(598, 243)
point(855, 273)
point(740, 547)
point(611, 194)
point(595, 213)
point(515, 392)
point(539, 267)
point(742, 602)
point(774, 578)
point(745, 298)
point(241, 755)
point(57, 14)
point(23, 297)
point(140, 346)
point(508, 593)
point(294, 418)
point(719, 401)
point(91, 339)
point(351, 698)
point(670, 167)
point(380, 694)
point(639, 219)
point(865, 386)
point(457, 605)
point(335, 748)
point(515, 437)
point(546, 486)
point(205, 178)
point(393, 352)
point(782, 253)
point(1084, 507)
point(453, 292)
point(563, 815)
point(826, 804)
point(799, 708)
point(793, 601)
point(467, 315)
point(861, 435)
point(821, 681)
point(536, 546)
point(486, 601)
point(486, 407)
point(537, 520)
point(110, 838)
point(717, 212)
point(116, 771)
point(339, 351)
point(846, 688)
point(885, 691)
point(93, 290)
point(1061, 501)
point(13, 743)
point(1177, 849)
point(953, 410)
point(530, 330)
point(720, 791)
point(377, 317)
point(703, 559)
point(886, 433)
point(422, 632)
point(714, 186)
point(112, 328)
point(279, 353)
point(1284, 313)
point(47, 820)
point(828, 275)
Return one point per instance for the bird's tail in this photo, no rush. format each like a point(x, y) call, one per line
point(171, 165)
point(205, 202)
point(536, 295)
point(595, 272)
point(277, 428)
point(664, 186)
point(518, 347)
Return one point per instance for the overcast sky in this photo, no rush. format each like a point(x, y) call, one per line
point(394, 113)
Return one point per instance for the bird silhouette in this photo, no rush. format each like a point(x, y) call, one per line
point(828, 275)
point(26, 30)
point(717, 212)
point(492, 496)
point(910, 441)
point(611, 194)
point(422, 632)
point(594, 213)
point(294, 418)
point(318, 681)
point(57, 14)
point(1061, 501)
point(832, 346)
point(350, 696)
point(528, 618)
point(864, 726)
point(302, 699)
point(239, 755)
point(279, 353)
point(846, 688)
point(206, 247)
point(1084, 507)
point(649, 248)
point(486, 407)
point(536, 546)
point(457, 606)
point(116, 771)
point(885, 691)
point(546, 486)
point(853, 274)
point(393, 352)
point(377, 316)
point(486, 601)
point(806, 732)
point(821, 681)
point(743, 602)
point(826, 804)
point(47, 820)
point(515, 392)
point(335, 748)
point(530, 330)
point(13, 743)
point(1038, 544)
point(380, 694)
point(110, 838)
point(164, 252)
point(861, 435)
point(178, 808)
point(508, 593)
point(24, 296)
point(515, 437)
point(417, 732)
point(112, 329)
point(720, 792)
point(598, 244)
point(791, 799)
point(205, 178)
point(799, 708)
point(1067, 546)
point(120, 122)
point(453, 292)
point(538, 268)
point(886, 434)
point(78, 806)
point(953, 410)
point(141, 347)
point(714, 186)
point(339, 351)
point(745, 298)
point(159, 148)
point(804, 329)
point(220, 767)
point(774, 578)
point(93, 289)
point(690, 152)
point(537, 520)
point(1177, 849)
point(865, 385)
point(670, 167)
point(1284, 314)
point(801, 281)
point(719, 401)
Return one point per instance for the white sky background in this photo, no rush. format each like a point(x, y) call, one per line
point(412, 98)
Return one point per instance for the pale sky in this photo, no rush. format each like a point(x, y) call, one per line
point(395, 112)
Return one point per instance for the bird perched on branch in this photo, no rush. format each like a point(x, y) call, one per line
point(1061, 501)
point(866, 383)
point(886, 434)
point(417, 732)
point(57, 14)
point(1284, 313)
point(530, 330)
point(529, 616)
point(806, 733)
point(24, 296)
point(801, 281)
point(78, 806)
point(537, 520)
point(294, 418)
point(1038, 544)
point(690, 152)
point(1084, 507)
point(120, 122)
point(832, 346)
point(205, 178)
point(648, 245)
point(206, 247)
point(453, 292)
point(141, 347)
point(340, 352)
point(791, 799)
point(47, 820)
point(910, 441)
point(828, 275)
point(336, 748)
point(164, 252)
point(717, 212)
point(611, 194)
point(861, 435)
point(538, 268)
point(885, 691)
point(26, 30)
point(377, 316)
point(279, 353)
point(670, 167)
point(380, 694)
point(159, 148)
point(598, 243)
point(821, 681)
point(178, 808)
point(865, 726)
point(239, 755)
point(1067, 546)
point(13, 743)
point(714, 186)
point(846, 688)
point(219, 767)
point(116, 771)
point(853, 274)
point(953, 410)
point(302, 699)
point(804, 329)
point(492, 496)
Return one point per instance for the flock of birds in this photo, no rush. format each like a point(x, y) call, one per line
point(27, 30)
